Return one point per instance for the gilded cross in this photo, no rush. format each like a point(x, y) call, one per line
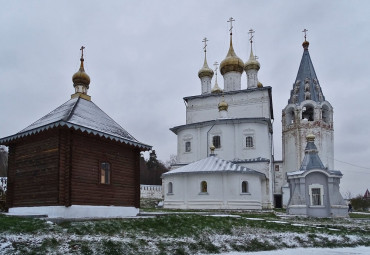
point(205, 40)
point(231, 24)
point(251, 32)
point(82, 50)
point(305, 33)
point(216, 67)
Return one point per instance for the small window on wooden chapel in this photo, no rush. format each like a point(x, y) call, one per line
point(216, 141)
point(105, 173)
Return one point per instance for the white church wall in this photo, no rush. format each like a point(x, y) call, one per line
point(233, 141)
point(224, 191)
point(242, 104)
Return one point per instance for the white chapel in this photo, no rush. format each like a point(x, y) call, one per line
point(232, 127)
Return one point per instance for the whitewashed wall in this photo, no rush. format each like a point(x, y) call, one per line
point(224, 191)
point(151, 191)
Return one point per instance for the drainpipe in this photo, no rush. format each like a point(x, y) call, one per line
point(208, 136)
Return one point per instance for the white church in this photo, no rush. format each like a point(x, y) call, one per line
point(225, 150)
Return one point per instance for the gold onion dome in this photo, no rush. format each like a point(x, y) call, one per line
point(216, 89)
point(205, 70)
point(305, 44)
point(232, 62)
point(259, 85)
point(223, 106)
point(310, 138)
point(81, 78)
point(252, 63)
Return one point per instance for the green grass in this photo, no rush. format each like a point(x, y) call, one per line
point(21, 225)
point(359, 215)
point(181, 234)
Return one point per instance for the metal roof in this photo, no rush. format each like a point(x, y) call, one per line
point(306, 81)
point(212, 164)
point(80, 114)
point(311, 158)
point(262, 120)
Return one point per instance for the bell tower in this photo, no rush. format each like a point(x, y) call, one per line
point(307, 112)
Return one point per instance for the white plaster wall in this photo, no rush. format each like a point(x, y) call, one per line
point(224, 191)
point(206, 84)
point(252, 79)
point(232, 141)
point(76, 211)
point(243, 104)
point(151, 191)
point(232, 81)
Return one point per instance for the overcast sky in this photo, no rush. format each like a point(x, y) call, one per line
point(143, 58)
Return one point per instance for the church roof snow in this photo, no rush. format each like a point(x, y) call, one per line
point(81, 115)
point(212, 164)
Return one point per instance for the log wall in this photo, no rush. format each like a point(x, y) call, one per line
point(62, 167)
point(33, 170)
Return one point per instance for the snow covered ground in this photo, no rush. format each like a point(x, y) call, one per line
point(189, 233)
point(362, 250)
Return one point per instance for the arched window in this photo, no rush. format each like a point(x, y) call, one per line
point(105, 173)
point(307, 112)
point(203, 187)
point(244, 187)
point(325, 114)
point(216, 141)
point(170, 188)
point(249, 142)
point(187, 146)
point(289, 117)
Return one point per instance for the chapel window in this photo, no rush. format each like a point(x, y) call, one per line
point(105, 173)
point(244, 187)
point(216, 141)
point(187, 146)
point(249, 142)
point(170, 188)
point(316, 192)
point(203, 187)
point(316, 196)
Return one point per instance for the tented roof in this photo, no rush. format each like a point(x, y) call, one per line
point(80, 114)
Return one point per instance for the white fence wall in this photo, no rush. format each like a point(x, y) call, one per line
point(151, 191)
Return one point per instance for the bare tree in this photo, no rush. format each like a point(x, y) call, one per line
point(171, 161)
point(3, 161)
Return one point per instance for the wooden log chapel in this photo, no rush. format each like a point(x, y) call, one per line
point(74, 162)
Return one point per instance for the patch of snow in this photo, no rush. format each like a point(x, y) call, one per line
point(361, 250)
point(277, 221)
point(299, 225)
point(224, 215)
point(254, 219)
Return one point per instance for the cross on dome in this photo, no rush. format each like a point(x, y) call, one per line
point(305, 33)
point(205, 40)
point(82, 51)
point(251, 32)
point(216, 67)
point(231, 24)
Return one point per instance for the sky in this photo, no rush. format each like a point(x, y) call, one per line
point(143, 58)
